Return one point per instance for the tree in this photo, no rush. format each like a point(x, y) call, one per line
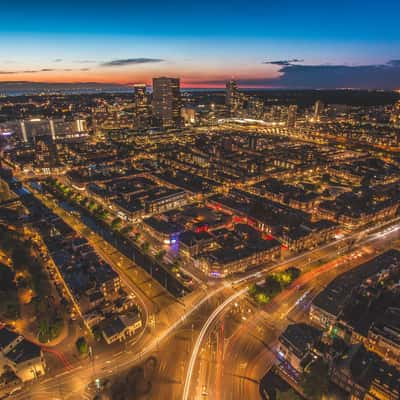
point(253, 289)
point(116, 223)
point(91, 206)
point(145, 246)
point(271, 287)
point(293, 272)
point(126, 229)
point(82, 346)
point(315, 381)
point(175, 267)
point(43, 330)
point(262, 298)
point(137, 236)
point(49, 329)
point(160, 255)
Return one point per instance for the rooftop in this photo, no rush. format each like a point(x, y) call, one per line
point(300, 338)
point(336, 295)
point(24, 351)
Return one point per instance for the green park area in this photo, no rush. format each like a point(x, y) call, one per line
point(274, 283)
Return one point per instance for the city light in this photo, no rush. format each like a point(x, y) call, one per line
point(220, 233)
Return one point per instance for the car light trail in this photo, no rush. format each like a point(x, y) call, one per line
point(200, 339)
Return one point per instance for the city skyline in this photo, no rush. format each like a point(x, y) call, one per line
point(170, 243)
point(200, 200)
point(262, 46)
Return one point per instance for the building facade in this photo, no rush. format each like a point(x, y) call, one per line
point(167, 103)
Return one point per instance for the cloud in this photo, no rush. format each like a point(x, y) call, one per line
point(33, 71)
point(37, 71)
point(303, 76)
point(284, 62)
point(381, 76)
point(131, 61)
point(85, 61)
point(57, 60)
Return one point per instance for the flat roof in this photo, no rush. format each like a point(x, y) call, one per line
point(338, 292)
point(24, 351)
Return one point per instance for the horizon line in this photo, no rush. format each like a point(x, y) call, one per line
point(221, 86)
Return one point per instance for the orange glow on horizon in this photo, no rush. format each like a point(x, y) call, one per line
point(209, 77)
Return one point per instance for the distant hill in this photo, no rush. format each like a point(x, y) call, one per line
point(17, 88)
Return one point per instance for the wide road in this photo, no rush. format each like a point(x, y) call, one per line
point(244, 357)
point(71, 384)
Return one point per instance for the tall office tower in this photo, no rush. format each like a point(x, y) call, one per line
point(142, 107)
point(233, 98)
point(291, 117)
point(167, 103)
point(318, 109)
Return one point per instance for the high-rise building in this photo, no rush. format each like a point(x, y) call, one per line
point(318, 110)
point(233, 98)
point(291, 117)
point(142, 107)
point(255, 107)
point(167, 103)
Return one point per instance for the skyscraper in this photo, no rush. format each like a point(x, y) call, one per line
point(142, 107)
point(318, 109)
point(291, 118)
point(167, 103)
point(233, 98)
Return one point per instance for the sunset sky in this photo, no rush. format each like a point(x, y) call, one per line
point(282, 43)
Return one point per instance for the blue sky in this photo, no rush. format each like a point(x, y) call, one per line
point(203, 42)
